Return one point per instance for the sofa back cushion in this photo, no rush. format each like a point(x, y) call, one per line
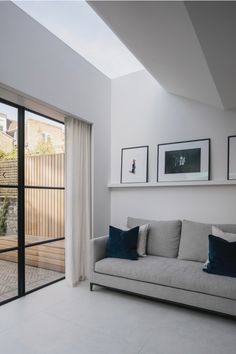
point(163, 238)
point(194, 239)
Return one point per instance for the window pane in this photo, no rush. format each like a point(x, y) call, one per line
point(8, 275)
point(44, 214)
point(8, 217)
point(8, 144)
point(44, 151)
point(44, 264)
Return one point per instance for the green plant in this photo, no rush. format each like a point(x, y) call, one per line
point(11, 155)
point(3, 216)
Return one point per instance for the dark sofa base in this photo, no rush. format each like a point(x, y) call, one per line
point(158, 298)
point(190, 307)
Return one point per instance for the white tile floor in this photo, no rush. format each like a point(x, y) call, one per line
point(63, 320)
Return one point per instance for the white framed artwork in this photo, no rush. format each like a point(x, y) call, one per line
point(184, 161)
point(134, 164)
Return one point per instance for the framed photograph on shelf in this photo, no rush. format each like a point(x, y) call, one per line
point(134, 165)
point(231, 168)
point(184, 161)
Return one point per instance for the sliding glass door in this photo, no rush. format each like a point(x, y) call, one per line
point(44, 200)
point(8, 202)
point(31, 201)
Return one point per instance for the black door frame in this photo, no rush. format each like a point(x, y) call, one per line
point(20, 248)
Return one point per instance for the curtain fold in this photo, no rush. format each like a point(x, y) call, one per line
point(77, 199)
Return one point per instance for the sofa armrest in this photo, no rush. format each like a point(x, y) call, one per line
point(97, 250)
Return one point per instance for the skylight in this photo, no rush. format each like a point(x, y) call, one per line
point(77, 24)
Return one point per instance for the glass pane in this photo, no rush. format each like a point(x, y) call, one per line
point(44, 264)
point(8, 275)
point(44, 151)
point(8, 217)
point(8, 144)
point(44, 214)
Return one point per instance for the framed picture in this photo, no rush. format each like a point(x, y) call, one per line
point(231, 168)
point(184, 161)
point(134, 165)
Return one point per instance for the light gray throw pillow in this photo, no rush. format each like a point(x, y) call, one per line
point(228, 236)
point(142, 240)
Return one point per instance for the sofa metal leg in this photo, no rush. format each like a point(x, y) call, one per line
point(91, 286)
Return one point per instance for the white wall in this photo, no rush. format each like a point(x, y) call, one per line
point(37, 64)
point(144, 114)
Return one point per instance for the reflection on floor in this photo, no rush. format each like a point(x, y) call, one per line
point(34, 277)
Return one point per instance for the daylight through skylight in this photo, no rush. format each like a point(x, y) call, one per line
point(77, 24)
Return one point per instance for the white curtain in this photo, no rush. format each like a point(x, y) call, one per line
point(77, 199)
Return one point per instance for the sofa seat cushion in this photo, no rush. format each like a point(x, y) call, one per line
point(172, 272)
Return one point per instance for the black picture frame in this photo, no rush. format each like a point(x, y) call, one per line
point(193, 175)
point(228, 158)
point(145, 149)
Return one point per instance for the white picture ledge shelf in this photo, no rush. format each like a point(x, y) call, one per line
point(173, 184)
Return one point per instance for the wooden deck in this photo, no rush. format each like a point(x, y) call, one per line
point(49, 256)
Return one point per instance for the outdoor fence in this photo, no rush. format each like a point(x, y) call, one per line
point(44, 207)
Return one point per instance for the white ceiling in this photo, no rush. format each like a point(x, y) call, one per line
point(189, 47)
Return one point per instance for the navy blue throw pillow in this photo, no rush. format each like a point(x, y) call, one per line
point(122, 244)
point(222, 257)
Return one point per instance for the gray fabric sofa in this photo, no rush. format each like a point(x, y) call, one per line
point(172, 269)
